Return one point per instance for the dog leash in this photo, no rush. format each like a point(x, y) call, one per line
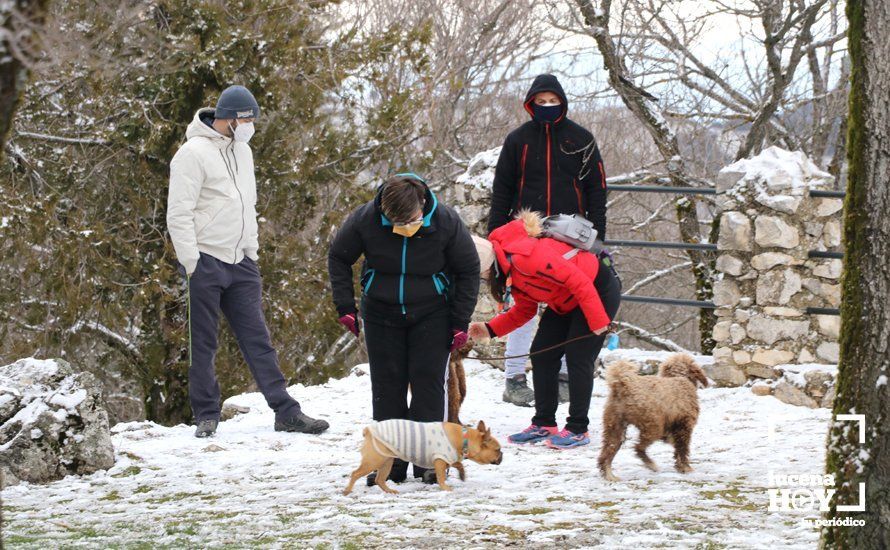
point(549, 348)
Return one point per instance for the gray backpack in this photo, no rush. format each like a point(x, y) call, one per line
point(574, 230)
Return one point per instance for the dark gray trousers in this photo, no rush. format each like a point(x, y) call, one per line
point(236, 289)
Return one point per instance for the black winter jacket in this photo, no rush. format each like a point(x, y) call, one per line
point(551, 168)
point(439, 263)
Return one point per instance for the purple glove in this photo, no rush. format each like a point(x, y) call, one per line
point(350, 321)
point(458, 340)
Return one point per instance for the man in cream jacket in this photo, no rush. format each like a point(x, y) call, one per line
point(211, 217)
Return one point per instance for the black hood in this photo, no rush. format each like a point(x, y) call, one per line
point(546, 83)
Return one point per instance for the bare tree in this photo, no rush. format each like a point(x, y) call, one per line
point(460, 93)
point(651, 51)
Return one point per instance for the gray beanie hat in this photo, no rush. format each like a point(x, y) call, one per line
point(236, 102)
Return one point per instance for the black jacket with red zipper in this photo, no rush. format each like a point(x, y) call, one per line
point(549, 168)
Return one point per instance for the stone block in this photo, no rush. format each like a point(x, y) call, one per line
point(730, 265)
point(720, 332)
point(736, 333)
point(829, 325)
point(760, 371)
point(782, 311)
point(829, 270)
point(770, 231)
point(777, 287)
point(772, 357)
point(735, 232)
point(725, 375)
point(726, 293)
point(768, 260)
point(770, 331)
point(791, 394)
point(831, 234)
point(827, 207)
point(779, 203)
point(829, 351)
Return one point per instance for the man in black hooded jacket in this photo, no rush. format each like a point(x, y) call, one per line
point(550, 165)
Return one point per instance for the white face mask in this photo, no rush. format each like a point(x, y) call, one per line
point(243, 132)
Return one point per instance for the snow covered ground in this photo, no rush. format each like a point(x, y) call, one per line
point(252, 487)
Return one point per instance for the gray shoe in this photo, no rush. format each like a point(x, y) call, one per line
point(517, 391)
point(563, 388)
point(206, 428)
point(301, 423)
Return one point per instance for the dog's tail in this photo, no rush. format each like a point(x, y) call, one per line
point(618, 374)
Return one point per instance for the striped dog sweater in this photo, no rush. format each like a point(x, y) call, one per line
point(419, 443)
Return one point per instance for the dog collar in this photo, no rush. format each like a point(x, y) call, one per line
point(466, 447)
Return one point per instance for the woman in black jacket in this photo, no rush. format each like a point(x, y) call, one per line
point(419, 281)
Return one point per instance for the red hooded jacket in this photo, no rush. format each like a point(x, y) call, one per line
point(540, 273)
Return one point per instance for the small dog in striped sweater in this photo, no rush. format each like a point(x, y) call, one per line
point(427, 444)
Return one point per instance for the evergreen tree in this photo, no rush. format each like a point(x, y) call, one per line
point(86, 254)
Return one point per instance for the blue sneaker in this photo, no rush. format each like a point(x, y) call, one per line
point(533, 434)
point(566, 440)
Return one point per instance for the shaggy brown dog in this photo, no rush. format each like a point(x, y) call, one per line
point(457, 382)
point(662, 407)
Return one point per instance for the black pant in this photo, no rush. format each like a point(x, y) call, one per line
point(408, 350)
point(580, 357)
point(236, 289)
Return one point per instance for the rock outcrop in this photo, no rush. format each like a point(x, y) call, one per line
point(52, 422)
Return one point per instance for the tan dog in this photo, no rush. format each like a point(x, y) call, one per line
point(457, 381)
point(443, 444)
point(663, 407)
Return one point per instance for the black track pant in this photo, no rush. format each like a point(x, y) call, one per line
point(408, 349)
point(236, 290)
point(580, 357)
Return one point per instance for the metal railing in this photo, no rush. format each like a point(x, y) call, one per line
point(660, 244)
point(812, 254)
point(663, 189)
point(668, 301)
point(823, 193)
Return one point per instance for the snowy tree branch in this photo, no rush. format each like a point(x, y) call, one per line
point(655, 340)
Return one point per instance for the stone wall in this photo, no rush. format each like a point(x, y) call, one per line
point(768, 224)
point(470, 195)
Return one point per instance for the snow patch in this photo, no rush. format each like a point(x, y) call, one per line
point(258, 484)
point(796, 374)
point(480, 171)
point(69, 401)
point(781, 168)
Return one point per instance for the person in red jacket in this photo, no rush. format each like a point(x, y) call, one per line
point(582, 296)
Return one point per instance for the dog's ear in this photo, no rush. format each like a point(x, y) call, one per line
point(481, 427)
point(698, 375)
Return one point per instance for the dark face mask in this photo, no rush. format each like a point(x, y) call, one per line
point(547, 113)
